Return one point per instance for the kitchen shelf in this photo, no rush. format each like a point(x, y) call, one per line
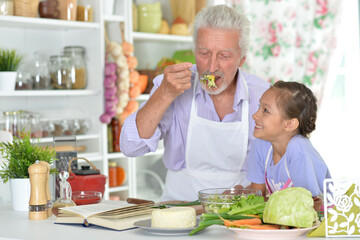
point(159, 151)
point(44, 23)
point(118, 189)
point(78, 138)
point(49, 93)
point(141, 36)
point(114, 18)
point(92, 157)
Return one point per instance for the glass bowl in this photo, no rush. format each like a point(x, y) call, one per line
point(218, 200)
point(86, 197)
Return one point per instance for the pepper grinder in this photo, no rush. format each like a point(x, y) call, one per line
point(47, 190)
point(37, 202)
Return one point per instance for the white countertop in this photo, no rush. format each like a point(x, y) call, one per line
point(16, 225)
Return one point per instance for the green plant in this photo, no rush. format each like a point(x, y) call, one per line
point(20, 154)
point(9, 60)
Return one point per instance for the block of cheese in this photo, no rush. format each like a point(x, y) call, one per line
point(175, 217)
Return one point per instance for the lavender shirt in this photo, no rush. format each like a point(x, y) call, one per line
point(173, 126)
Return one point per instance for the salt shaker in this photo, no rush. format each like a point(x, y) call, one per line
point(37, 202)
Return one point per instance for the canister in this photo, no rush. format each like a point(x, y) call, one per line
point(78, 66)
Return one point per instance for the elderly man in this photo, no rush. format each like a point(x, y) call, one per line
point(207, 129)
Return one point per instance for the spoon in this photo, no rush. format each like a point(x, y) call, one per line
point(209, 79)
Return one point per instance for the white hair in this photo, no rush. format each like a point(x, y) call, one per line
point(224, 17)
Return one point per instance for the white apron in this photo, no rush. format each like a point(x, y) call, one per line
point(270, 187)
point(214, 155)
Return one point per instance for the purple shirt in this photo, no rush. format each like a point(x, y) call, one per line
point(173, 126)
point(306, 167)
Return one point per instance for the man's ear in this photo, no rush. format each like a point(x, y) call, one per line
point(291, 124)
point(242, 61)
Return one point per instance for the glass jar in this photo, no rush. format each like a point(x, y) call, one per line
point(85, 11)
point(40, 73)
point(47, 128)
point(8, 120)
point(36, 131)
point(23, 78)
point(79, 69)
point(60, 72)
point(6, 7)
point(67, 9)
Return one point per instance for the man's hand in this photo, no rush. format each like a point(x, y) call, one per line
point(177, 78)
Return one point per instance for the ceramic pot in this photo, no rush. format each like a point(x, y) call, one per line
point(7, 81)
point(20, 193)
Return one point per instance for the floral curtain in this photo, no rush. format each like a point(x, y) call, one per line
point(292, 40)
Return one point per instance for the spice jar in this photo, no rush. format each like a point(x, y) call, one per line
point(85, 11)
point(79, 69)
point(112, 174)
point(6, 7)
point(60, 72)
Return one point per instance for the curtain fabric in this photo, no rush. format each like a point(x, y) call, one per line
point(292, 40)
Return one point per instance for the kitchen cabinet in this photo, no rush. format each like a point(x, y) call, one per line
point(49, 37)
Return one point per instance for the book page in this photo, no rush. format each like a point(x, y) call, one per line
point(91, 209)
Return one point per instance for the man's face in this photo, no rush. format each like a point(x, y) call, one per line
point(218, 53)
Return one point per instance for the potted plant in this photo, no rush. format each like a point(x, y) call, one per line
point(19, 155)
point(9, 63)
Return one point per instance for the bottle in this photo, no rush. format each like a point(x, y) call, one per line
point(115, 126)
point(112, 174)
point(64, 200)
point(78, 66)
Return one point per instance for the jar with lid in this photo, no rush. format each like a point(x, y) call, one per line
point(60, 72)
point(79, 69)
point(85, 11)
point(40, 72)
point(6, 7)
point(67, 9)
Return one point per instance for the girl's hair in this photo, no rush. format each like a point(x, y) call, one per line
point(297, 101)
point(224, 17)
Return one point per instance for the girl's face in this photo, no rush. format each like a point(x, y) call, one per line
point(269, 122)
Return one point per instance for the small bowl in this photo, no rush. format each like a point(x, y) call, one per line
point(86, 197)
point(218, 200)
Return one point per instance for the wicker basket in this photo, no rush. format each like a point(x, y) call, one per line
point(26, 8)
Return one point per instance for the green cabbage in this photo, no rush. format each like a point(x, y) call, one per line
point(292, 207)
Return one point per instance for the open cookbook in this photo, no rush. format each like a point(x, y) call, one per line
point(117, 215)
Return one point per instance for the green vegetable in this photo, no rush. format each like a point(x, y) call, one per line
point(250, 205)
point(292, 207)
point(208, 219)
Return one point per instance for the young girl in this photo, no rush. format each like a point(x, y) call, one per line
point(283, 155)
